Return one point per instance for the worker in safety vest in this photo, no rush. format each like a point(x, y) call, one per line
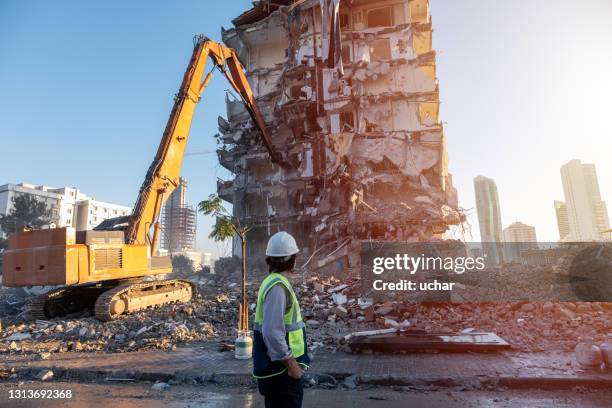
point(280, 353)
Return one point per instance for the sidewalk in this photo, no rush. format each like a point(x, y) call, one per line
point(199, 364)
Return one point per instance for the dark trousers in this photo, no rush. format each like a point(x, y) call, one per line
point(281, 391)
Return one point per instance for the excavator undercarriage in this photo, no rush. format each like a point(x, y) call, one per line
point(107, 301)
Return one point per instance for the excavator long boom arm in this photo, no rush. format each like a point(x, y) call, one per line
point(163, 174)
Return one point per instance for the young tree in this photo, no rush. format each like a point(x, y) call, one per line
point(27, 211)
point(225, 228)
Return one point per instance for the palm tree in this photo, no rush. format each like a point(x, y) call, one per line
point(225, 228)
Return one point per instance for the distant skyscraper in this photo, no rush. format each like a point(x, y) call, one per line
point(489, 217)
point(178, 222)
point(562, 220)
point(519, 232)
point(587, 213)
point(519, 238)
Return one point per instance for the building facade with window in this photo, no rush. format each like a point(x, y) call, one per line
point(489, 218)
point(586, 212)
point(68, 206)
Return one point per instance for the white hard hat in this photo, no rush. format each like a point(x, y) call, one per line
point(281, 244)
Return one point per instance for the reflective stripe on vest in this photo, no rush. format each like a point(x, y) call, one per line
point(288, 327)
point(294, 326)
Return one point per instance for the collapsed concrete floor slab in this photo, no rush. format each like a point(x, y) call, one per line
point(349, 93)
point(421, 341)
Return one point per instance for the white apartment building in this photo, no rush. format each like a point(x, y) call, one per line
point(587, 215)
point(68, 206)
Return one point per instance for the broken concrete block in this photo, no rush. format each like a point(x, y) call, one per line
point(45, 375)
point(350, 382)
point(160, 386)
point(404, 324)
point(44, 355)
point(588, 354)
point(313, 323)
point(365, 303)
point(390, 323)
point(339, 311)
point(18, 337)
point(339, 298)
point(384, 310)
point(338, 288)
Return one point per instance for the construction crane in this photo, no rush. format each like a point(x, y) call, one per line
point(104, 269)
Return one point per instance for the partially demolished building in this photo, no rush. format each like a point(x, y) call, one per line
point(349, 92)
point(179, 222)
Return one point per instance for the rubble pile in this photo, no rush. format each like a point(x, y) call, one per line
point(511, 282)
point(12, 302)
point(203, 319)
point(331, 309)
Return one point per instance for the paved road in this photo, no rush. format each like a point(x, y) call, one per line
point(141, 396)
point(200, 361)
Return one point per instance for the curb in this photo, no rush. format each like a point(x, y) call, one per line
point(328, 380)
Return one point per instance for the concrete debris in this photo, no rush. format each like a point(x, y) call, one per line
point(339, 298)
point(339, 311)
point(160, 386)
point(45, 375)
point(18, 336)
point(588, 354)
point(364, 303)
point(44, 356)
point(337, 288)
point(350, 382)
point(391, 323)
point(210, 318)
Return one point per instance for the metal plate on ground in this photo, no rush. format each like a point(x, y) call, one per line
point(420, 341)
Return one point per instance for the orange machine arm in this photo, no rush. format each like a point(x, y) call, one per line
point(163, 174)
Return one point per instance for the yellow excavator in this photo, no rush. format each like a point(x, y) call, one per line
point(104, 268)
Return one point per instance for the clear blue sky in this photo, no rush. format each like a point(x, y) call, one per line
point(86, 89)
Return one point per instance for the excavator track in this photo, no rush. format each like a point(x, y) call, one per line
point(37, 304)
point(140, 296)
point(60, 302)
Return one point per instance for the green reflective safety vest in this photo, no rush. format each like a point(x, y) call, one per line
point(263, 367)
